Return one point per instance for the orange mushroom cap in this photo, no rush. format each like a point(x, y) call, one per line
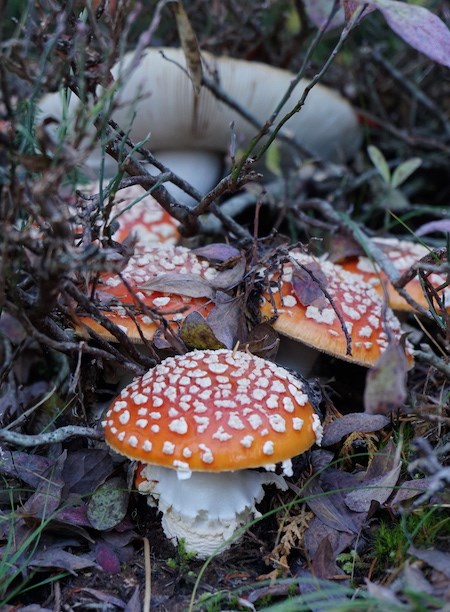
point(403, 254)
point(213, 411)
point(317, 325)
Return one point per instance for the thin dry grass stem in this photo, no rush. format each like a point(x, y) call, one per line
point(148, 576)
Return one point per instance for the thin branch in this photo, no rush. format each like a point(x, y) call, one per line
point(52, 437)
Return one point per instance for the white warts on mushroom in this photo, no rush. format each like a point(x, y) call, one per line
point(199, 422)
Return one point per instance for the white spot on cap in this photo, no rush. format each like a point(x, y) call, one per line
point(207, 456)
point(218, 368)
point(124, 417)
point(277, 422)
point(255, 421)
point(286, 467)
point(168, 448)
point(289, 301)
point(139, 398)
point(118, 406)
point(142, 423)
point(259, 394)
point(268, 448)
point(327, 315)
point(235, 422)
point(147, 446)
point(365, 332)
point(155, 415)
point(187, 452)
point(121, 436)
point(178, 426)
point(247, 441)
point(221, 435)
point(133, 441)
point(161, 301)
point(317, 429)
point(297, 423)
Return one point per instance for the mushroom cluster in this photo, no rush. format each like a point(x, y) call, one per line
point(199, 423)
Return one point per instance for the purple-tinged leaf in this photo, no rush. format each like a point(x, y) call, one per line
point(134, 603)
point(105, 597)
point(107, 559)
point(226, 319)
point(324, 563)
point(263, 341)
point(410, 489)
point(189, 285)
point(350, 7)
point(319, 12)
point(76, 515)
point(437, 559)
point(443, 225)
point(385, 389)
point(24, 466)
point(196, 333)
point(108, 505)
point(323, 506)
point(229, 277)
point(418, 26)
point(379, 481)
point(84, 470)
point(385, 596)
point(349, 423)
point(219, 253)
point(317, 530)
point(57, 558)
point(307, 287)
point(47, 497)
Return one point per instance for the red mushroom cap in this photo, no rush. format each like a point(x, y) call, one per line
point(213, 411)
point(317, 324)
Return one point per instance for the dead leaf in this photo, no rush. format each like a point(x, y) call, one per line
point(85, 469)
point(24, 466)
point(323, 504)
point(379, 482)
point(189, 44)
point(317, 530)
point(410, 489)
point(306, 288)
point(263, 341)
point(61, 559)
point(189, 285)
point(108, 504)
point(324, 561)
point(196, 333)
point(107, 558)
point(225, 319)
point(219, 253)
point(385, 389)
point(47, 497)
point(230, 277)
point(350, 423)
point(437, 559)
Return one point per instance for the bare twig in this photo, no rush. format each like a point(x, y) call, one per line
point(52, 437)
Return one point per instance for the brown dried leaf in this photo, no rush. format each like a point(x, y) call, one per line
point(324, 561)
point(189, 44)
point(61, 559)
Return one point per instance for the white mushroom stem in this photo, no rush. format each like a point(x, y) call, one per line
point(158, 102)
point(205, 509)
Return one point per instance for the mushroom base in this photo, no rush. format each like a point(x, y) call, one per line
point(205, 509)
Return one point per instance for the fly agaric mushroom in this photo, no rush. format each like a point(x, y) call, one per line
point(199, 422)
point(182, 278)
point(403, 254)
point(191, 133)
point(305, 314)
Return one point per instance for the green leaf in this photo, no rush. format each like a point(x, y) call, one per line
point(273, 159)
point(108, 505)
point(404, 171)
point(379, 161)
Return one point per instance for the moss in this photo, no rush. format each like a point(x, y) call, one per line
point(421, 528)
